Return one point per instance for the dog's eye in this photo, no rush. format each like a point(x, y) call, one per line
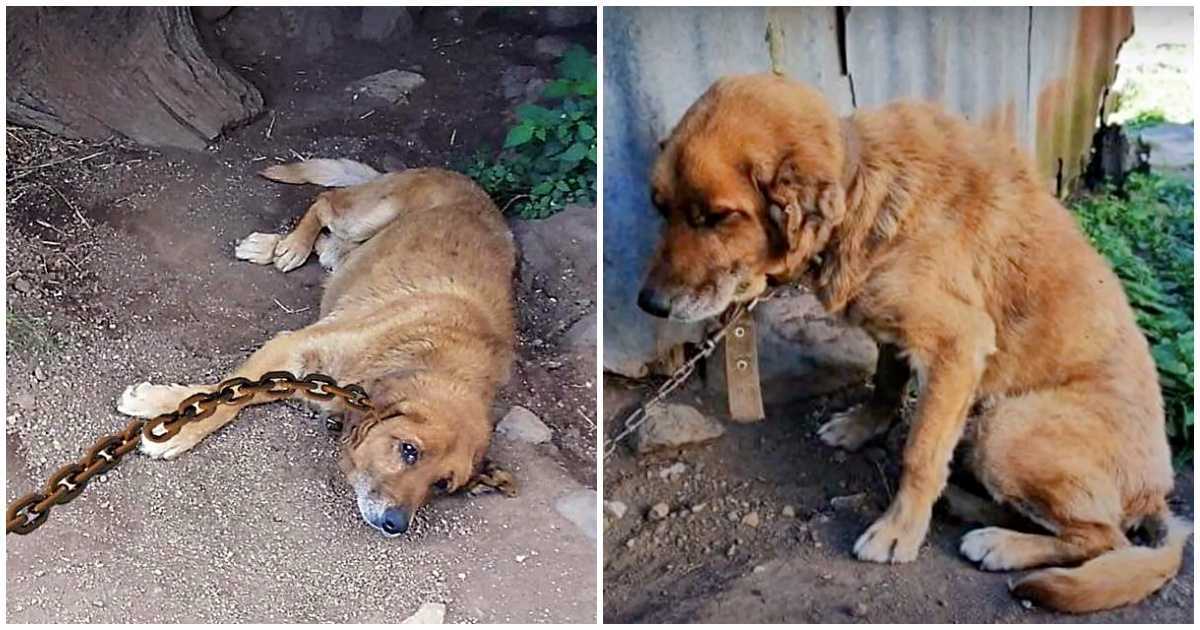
point(713, 219)
point(409, 453)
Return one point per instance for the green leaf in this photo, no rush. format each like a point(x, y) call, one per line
point(574, 153)
point(585, 132)
point(518, 136)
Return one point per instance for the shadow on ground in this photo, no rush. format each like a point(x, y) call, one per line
point(707, 562)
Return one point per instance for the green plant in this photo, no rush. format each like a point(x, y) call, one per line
point(549, 156)
point(1146, 118)
point(1147, 235)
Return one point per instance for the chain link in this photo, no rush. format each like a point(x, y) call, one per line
point(30, 511)
point(681, 375)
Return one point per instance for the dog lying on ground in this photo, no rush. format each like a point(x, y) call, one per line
point(941, 241)
point(418, 311)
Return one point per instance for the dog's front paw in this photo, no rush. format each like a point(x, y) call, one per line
point(148, 401)
point(891, 540)
point(174, 447)
point(258, 248)
point(291, 252)
point(854, 427)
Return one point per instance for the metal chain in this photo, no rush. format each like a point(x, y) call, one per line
point(30, 511)
point(681, 375)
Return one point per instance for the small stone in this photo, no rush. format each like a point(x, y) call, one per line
point(760, 568)
point(523, 425)
point(579, 507)
point(849, 502)
point(699, 507)
point(550, 47)
point(751, 520)
point(659, 511)
point(859, 610)
point(629, 544)
point(428, 613)
point(39, 374)
point(732, 516)
point(391, 85)
point(615, 509)
point(673, 471)
point(98, 604)
point(22, 285)
point(521, 558)
point(789, 511)
point(674, 426)
point(839, 457)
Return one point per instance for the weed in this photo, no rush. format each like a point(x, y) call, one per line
point(1147, 235)
point(549, 155)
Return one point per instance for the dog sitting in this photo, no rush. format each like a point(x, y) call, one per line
point(940, 240)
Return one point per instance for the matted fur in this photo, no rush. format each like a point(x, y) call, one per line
point(940, 240)
point(419, 311)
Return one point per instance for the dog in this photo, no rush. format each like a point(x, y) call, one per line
point(418, 311)
point(943, 243)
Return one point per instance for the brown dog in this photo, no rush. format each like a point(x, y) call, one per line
point(418, 311)
point(943, 243)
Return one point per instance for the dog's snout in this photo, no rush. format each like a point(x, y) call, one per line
point(395, 521)
point(653, 303)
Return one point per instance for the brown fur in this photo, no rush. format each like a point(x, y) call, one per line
point(943, 243)
point(418, 311)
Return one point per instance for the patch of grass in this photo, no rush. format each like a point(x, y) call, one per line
point(27, 334)
point(549, 156)
point(1146, 118)
point(1147, 235)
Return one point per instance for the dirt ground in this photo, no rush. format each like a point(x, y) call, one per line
point(120, 269)
point(705, 564)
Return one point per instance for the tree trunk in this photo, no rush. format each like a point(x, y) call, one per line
point(140, 72)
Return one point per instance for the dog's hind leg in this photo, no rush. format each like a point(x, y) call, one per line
point(291, 351)
point(853, 428)
point(287, 252)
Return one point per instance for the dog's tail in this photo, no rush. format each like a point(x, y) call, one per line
point(323, 172)
point(1119, 577)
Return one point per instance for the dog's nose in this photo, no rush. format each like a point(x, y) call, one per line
point(395, 521)
point(652, 302)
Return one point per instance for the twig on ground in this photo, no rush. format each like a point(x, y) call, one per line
point(511, 201)
point(453, 135)
point(72, 207)
point(591, 425)
point(290, 311)
point(271, 127)
point(367, 115)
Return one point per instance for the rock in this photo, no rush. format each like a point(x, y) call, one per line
point(428, 613)
point(579, 507)
point(658, 512)
point(581, 336)
point(380, 23)
point(788, 511)
point(1171, 148)
point(615, 509)
point(699, 507)
point(22, 285)
point(391, 85)
point(849, 502)
point(674, 426)
point(514, 79)
point(550, 47)
point(569, 17)
point(38, 374)
point(673, 472)
point(523, 425)
point(751, 520)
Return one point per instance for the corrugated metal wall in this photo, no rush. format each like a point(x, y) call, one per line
point(1037, 73)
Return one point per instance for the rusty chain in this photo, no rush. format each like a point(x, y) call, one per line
point(681, 375)
point(31, 511)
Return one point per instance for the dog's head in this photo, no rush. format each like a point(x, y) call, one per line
point(750, 185)
point(400, 455)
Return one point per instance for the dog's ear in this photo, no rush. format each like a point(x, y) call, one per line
point(804, 206)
